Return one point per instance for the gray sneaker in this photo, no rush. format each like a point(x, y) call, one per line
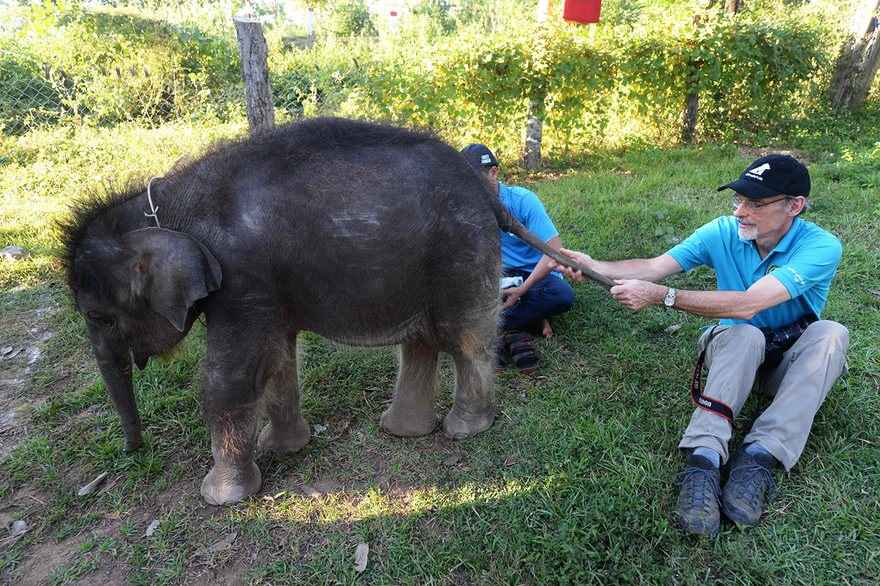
point(698, 509)
point(749, 488)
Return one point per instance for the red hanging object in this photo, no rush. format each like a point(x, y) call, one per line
point(582, 11)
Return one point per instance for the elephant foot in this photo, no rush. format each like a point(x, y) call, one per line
point(289, 439)
point(227, 485)
point(407, 422)
point(460, 425)
point(133, 442)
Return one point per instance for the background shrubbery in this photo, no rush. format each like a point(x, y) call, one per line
point(111, 67)
point(467, 71)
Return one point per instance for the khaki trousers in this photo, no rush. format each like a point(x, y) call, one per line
point(799, 384)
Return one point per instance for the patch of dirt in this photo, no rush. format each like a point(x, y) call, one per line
point(22, 352)
point(44, 558)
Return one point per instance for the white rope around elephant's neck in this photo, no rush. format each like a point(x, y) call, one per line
point(153, 209)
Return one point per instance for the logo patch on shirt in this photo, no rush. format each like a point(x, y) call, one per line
point(797, 276)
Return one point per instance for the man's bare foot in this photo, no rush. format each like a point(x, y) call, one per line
point(547, 331)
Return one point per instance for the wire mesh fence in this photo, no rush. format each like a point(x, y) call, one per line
point(31, 92)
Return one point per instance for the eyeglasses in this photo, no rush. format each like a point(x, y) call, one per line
point(751, 204)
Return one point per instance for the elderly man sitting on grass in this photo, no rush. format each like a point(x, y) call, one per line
point(774, 272)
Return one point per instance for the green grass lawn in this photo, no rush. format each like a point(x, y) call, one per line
point(575, 482)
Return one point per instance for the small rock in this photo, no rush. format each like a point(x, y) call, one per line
point(361, 553)
point(151, 528)
point(92, 486)
point(14, 252)
point(19, 527)
point(318, 429)
point(673, 328)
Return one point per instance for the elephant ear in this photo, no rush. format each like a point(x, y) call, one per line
point(171, 271)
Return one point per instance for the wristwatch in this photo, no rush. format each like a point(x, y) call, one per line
point(669, 300)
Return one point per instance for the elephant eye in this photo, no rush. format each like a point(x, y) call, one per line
point(101, 319)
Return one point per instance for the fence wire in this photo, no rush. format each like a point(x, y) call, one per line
point(31, 93)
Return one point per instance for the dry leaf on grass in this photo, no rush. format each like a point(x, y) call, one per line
point(361, 553)
point(93, 485)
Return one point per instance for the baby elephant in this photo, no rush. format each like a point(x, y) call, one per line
point(365, 234)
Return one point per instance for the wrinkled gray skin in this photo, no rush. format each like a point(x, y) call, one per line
point(365, 234)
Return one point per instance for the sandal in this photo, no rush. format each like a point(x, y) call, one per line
point(502, 355)
point(523, 352)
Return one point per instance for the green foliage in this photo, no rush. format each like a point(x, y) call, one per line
point(438, 16)
point(110, 67)
point(352, 19)
point(29, 96)
point(752, 77)
point(625, 79)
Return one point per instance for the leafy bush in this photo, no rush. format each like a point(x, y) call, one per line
point(352, 19)
point(752, 76)
point(117, 66)
point(28, 96)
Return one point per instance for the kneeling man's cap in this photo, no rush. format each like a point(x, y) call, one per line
point(479, 156)
point(772, 175)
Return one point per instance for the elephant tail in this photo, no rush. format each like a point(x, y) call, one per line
point(508, 223)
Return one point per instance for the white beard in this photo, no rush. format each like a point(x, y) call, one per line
point(747, 233)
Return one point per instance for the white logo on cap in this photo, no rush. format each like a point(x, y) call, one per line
point(758, 171)
point(485, 159)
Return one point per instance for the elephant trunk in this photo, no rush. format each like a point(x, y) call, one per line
point(117, 377)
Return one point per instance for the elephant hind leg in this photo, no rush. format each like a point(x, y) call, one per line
point(287, 431)
point(412, 408)
point(474, 409)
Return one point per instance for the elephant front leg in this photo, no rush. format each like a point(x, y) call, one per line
point(412, 409)
point(234, 476)
point(474, 408)
point(287, 430)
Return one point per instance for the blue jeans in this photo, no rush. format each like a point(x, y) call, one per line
point(548, 297)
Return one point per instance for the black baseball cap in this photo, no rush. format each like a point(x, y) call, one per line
point(479, 156)
point(772, 175)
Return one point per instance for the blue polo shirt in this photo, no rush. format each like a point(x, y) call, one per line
point(805, 262)
point(528, 209)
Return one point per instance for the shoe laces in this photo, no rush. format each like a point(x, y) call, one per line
point(753, 481)
point(696, 484)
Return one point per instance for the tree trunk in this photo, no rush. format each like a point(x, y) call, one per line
point(252, 50)
point(535, 117)
point(732, 6)
point(534, 130)
point(858, 60)
point(689, 117)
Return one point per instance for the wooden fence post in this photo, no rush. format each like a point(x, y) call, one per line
point(252, 51)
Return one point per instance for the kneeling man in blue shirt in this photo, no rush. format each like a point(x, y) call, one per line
point(774, 271)
point(542, 293)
